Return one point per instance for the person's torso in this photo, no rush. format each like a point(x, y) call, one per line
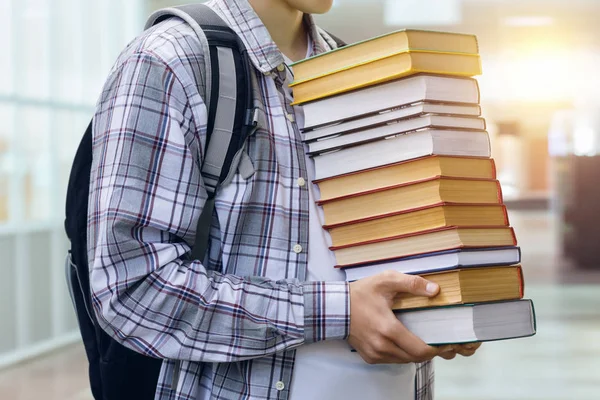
point(262, 223)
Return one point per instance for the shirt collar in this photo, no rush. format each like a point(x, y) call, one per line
point(263, 52)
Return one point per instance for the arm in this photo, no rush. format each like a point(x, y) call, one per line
point(146, 195)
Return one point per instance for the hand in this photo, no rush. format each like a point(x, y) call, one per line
point(375, 332)
point(466, 350)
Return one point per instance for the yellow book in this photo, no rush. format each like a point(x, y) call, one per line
point(419, 169)
point(417, 220)
point(384, 46)
point(466, 286)
point(383, 70)
point(395, 199)
point(441, 239)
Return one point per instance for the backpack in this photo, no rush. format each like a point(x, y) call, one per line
point(116, 372)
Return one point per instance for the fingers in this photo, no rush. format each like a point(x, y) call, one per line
point(384, 351)
point(412, 284)
point(404, 339)
point(448, 355)
point(467, 350)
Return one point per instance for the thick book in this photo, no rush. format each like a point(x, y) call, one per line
point(394, 115)
point(419, 169)
point(471, 285)
point(395, 128)
point(384, 46)
point(383, 70)
point(397, 148)
point(416, 220)
point(469, 323)
point(439, 261)
point(404, 197)
point(423, 242)
point(394, 94)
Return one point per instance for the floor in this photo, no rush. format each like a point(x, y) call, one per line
point(562, 362)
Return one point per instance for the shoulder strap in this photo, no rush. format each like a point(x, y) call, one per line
point(231, 114)
point(338, 41)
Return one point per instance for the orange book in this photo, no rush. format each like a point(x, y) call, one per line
point(415, 170)
point(411, 195)
point(383, 70)
point(417, 220)
point(468, 286)
point(383, 46)
point(440, 239)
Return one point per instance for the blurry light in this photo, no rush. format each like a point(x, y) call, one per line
point(529, 21)
point(422, 12)
point(584, 141)
point(535, 76)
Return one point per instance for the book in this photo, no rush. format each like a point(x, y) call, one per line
point(384, 46)
point(399, 148)
point(416, 220)
point(394, 94)
point(404, 172)
point(396, 114)
point(382, 70)
point(404, 197)
point(423, 242)
point(395, 128)
point(439, 261)
point(471, 322)
point(471, 285)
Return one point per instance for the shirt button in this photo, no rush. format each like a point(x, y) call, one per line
point(281, 67)
point(280, 386)
point(301, 182)
point(267, 73)
point(290, 117)
point(297, 249)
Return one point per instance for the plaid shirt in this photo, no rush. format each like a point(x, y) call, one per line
point(234, 320)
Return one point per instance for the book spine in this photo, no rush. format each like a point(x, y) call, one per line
point(500, 196)
point(534, 316)
point(494, 170)
point(505, 211)
point(512, 231)
point(521, 282)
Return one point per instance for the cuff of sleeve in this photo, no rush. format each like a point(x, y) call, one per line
point(326, 311)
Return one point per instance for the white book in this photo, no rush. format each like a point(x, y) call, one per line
point(471, 322)
point(382, 117)
point(440, 261)
point(395, 127)
point(402, 147)
point(401, 92)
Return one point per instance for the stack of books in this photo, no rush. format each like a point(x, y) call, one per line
point(406, 182)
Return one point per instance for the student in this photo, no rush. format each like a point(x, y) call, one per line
point(266, 316)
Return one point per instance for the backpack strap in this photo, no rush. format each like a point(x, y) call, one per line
point(232, 116)
point(339, 42)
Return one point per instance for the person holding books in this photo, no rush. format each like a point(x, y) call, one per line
point(266, 316)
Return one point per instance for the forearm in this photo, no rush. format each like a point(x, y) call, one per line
point(182, 311)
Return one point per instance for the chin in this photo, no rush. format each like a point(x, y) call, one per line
point(311, 6)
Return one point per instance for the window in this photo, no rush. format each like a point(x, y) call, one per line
point(55, 57)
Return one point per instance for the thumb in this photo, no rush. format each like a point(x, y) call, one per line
point(416, 285)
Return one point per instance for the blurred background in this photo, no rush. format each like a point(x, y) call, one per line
point(540, 95)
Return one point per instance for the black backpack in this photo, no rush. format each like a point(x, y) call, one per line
point(116, 372)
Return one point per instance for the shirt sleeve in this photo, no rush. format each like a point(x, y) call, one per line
point(146, 194)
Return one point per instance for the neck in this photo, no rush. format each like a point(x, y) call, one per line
point(285, 25)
